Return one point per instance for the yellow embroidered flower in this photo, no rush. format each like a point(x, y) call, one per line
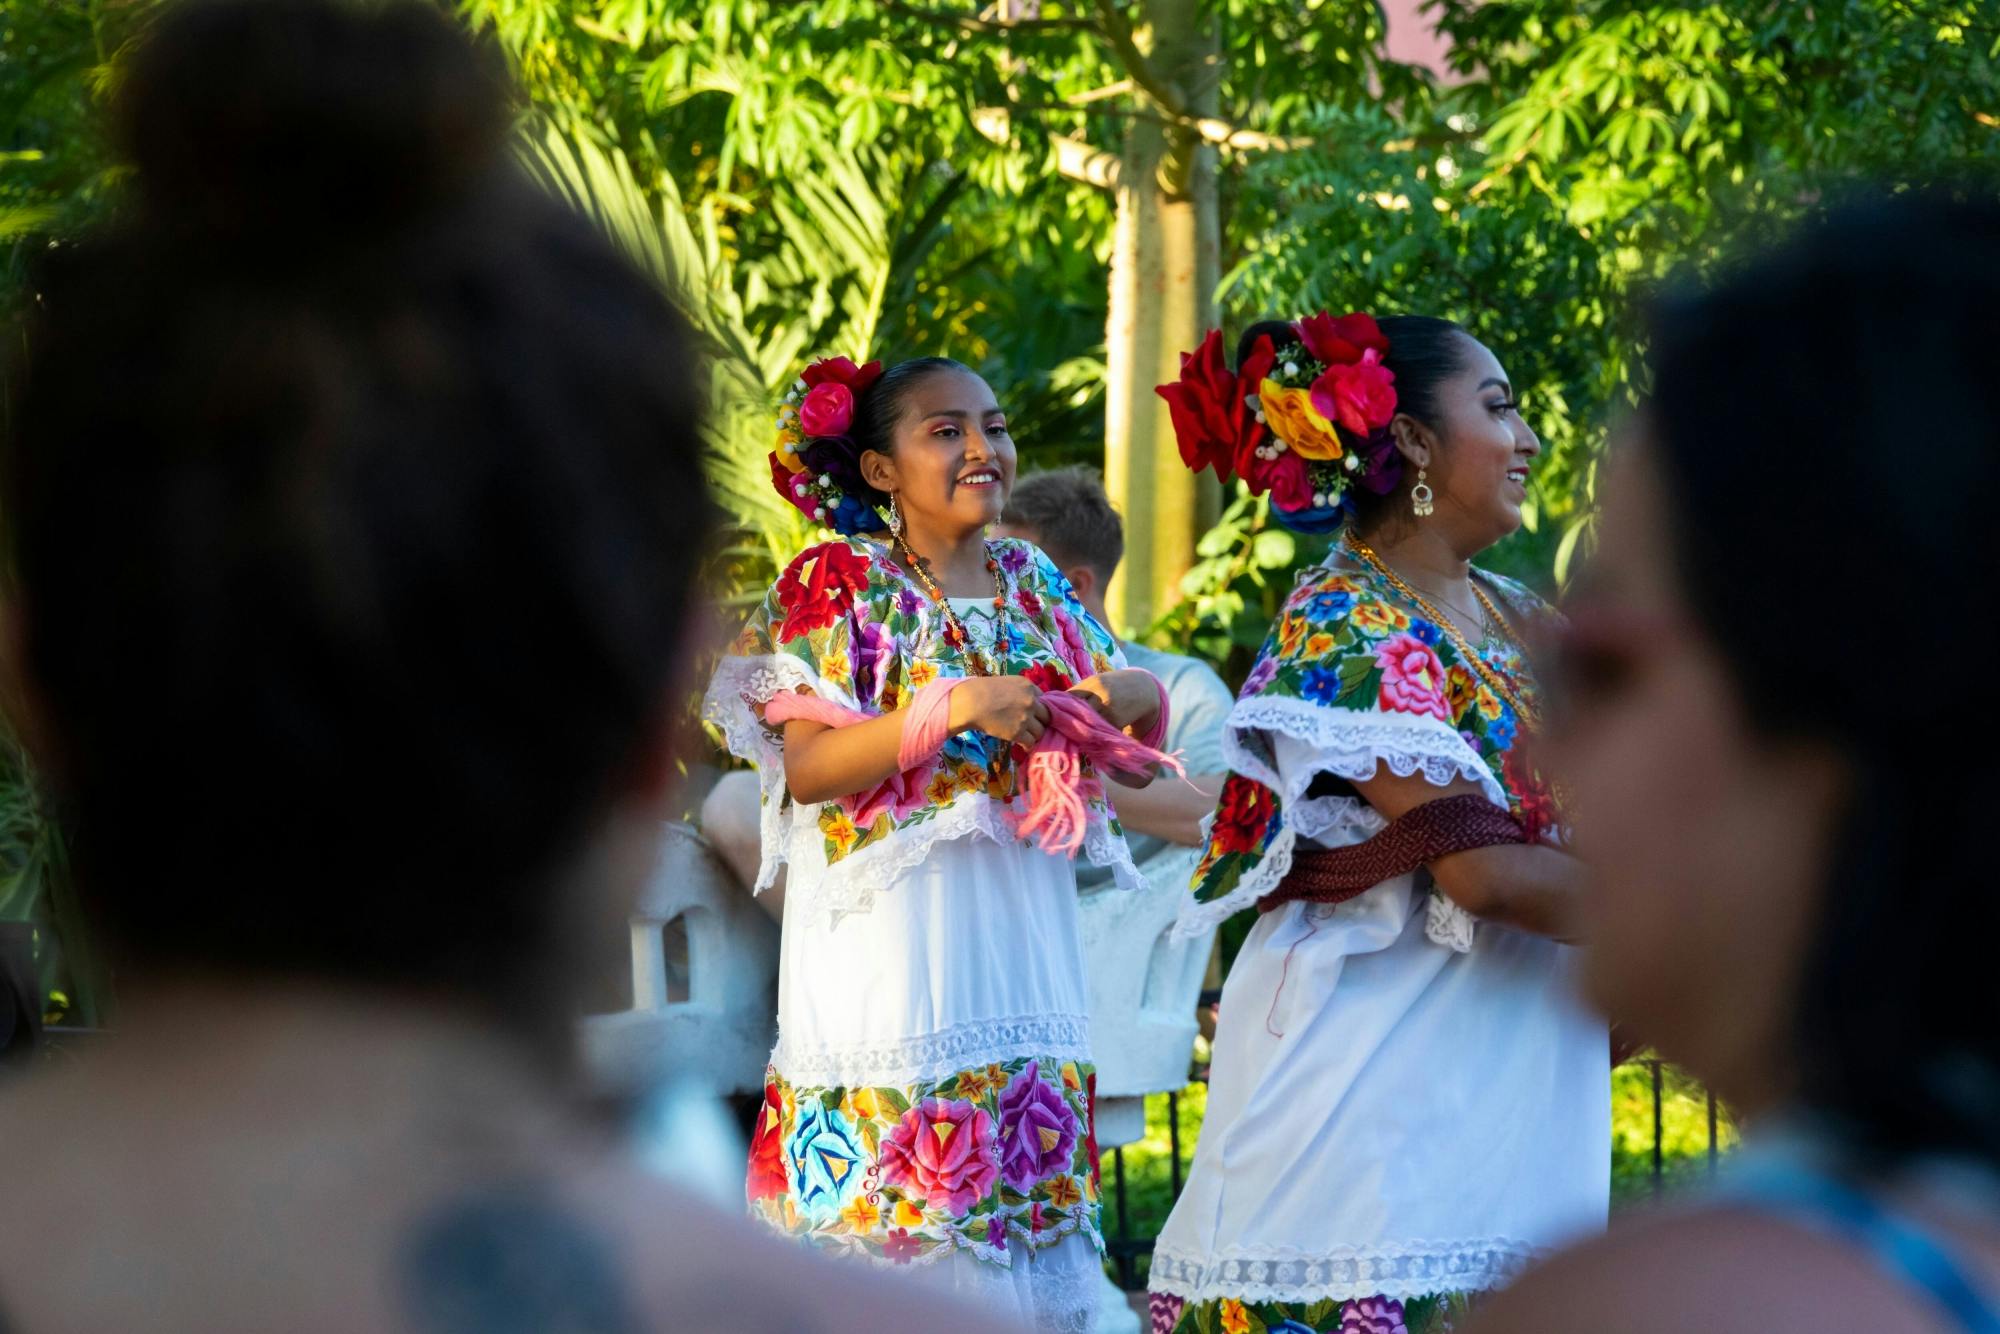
point(907, 1215)
point(838, 829)
point(891, 697)
point(1489, 704)
point(1235, 1320)
point(861, 1215)
point(996, 1076)
point(1319, 646)
point(1378, 618)
point(1090, 1190)
point(866, 1102)
point(1459, 686)
point(1064, 1192)
point(1292, 632)
point(973, 1085)
point(1294, 420)
point(1070, 1078)
point(922, 673)
point(969, 776)
point(941, 789)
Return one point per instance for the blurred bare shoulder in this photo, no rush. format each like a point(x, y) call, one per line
point(1719, 1270)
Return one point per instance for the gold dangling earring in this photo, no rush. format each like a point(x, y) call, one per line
point(895, 517)
point(1421, 496)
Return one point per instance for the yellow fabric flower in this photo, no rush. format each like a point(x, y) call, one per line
point(866, 1102)
point(1064, 1192)
point(861, 1215)
point(1235, 1320)
point(995, 1075)
point(1294, 420)
point(1489, 704)
point(973, 1084)
point(922, 673)
point(1070, 1078)
point(1292, 633)
point(1319, 646)
point(790, 437)
point(833, 666)
point(941, 789)
point(907, 1215)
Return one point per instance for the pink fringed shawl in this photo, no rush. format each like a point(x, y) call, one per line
point(1057, 815)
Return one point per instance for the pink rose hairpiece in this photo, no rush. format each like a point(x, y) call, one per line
point(1303, 424)
point(816, 464)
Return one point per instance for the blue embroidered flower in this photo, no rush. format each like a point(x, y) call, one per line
point(824, 1161)
point(1321, 685)
point(1329, 604)
point(1425, 631)
point(1502, 729)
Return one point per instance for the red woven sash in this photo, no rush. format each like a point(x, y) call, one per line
point(1416, 838)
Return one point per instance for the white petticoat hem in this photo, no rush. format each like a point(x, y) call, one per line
point(1346, 1273)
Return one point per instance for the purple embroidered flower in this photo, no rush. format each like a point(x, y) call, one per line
point(1373, 1315)
point(1014, 558)
point(1260, 676)
point(908, 602)
point(1037, 1130)
point(996, 1232)
point(871, 651)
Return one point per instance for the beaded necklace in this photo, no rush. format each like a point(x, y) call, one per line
point(1501, 683)
point(955, 632)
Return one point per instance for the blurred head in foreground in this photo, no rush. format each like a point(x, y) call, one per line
point(1772, 736)
point(350, 487)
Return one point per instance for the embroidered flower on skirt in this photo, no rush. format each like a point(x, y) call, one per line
point(1368, 1315)
point(911, 1174)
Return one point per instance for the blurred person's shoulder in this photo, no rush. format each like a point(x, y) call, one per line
point(1721, 1269)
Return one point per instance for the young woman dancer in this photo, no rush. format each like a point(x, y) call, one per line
point(930, 1096)
point(1404, 1106)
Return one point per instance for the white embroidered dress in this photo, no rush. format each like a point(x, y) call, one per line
point(930, 1097)
point(1402, 1102)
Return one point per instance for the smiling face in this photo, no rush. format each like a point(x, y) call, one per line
point(951, 463)
point(1477, 451)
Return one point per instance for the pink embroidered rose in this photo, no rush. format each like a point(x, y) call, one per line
point(828, 410)
point(1361, 397)
point(1037, 1130)
point(945, 1150)
point(1412, 677)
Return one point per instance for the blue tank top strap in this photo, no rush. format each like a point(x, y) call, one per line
point(1901, 1247)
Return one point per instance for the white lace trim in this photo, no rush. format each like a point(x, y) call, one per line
point(1344, 1273)
point(929, 1056)
point(1348, 745)
point(789, 828)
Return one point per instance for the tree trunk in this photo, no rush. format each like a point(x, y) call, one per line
point(1164, 269)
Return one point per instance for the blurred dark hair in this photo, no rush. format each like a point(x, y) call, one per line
point(352, 491)
point(1831, 445)
point(1071, 517)
point(877, 412)
point(1424, 352)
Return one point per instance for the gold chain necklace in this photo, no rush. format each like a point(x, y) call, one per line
point(955, 632)
point(1492, 676)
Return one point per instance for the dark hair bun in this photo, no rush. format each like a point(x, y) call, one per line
point(308, 120)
